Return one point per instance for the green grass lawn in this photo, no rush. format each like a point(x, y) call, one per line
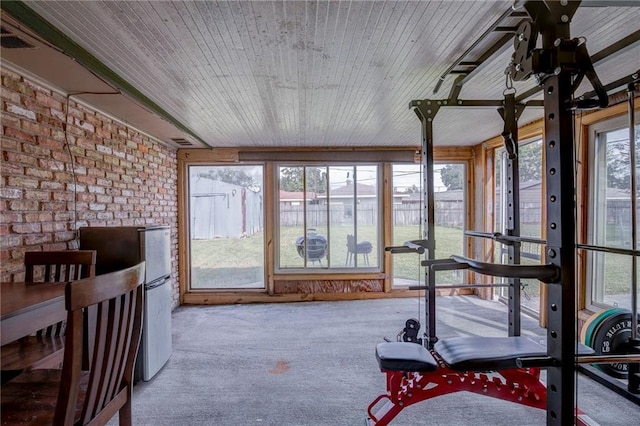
point(407, 266)
point(239, 263)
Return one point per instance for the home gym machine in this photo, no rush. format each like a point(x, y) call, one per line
point(416, 372)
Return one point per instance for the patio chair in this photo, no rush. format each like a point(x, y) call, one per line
point(73, 396)
point(353, 249)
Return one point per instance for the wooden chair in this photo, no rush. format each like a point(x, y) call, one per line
point(45, 349)
point(72, 396)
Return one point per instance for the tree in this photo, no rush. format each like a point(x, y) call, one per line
point(530, 161)
point(291, 179)
point(619, 160)
point(452, 176)
point(231, 175)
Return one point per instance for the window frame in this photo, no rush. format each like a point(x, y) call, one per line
point(377, 261)
point(187, 208)
point(499, 156)
point(466, 218)
point(597, 161)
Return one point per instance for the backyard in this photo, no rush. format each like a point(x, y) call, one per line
point(225, 263)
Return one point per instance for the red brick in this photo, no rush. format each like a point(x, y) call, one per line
point(10, 121)
point(10, 95)
point(35, 128)
point(23, 182)
point(97, 207)
point(65, 245)
point(64, 236)
point(32, 194)
point(26, 228)
point(50, 143)
point(62, 196)
point(38, 217)
point(59, 135)
point(94, 155)
point(54, 206)
point(63, 177)
point(53, 227)
point(37, 239)
point(63, 216)
point(17, 85)
point(10, 241)
point(86, 198)
point(17, 134)
point(106, 215)
point(53, 124)
point(74, 112)
point(36, 107)
point(87, 180)
point(54, 186)
point(47, 100)
point(85, 125)
point(51, 165)
point(36, 150)
point(14, 193)
point(24, 205)
point(105, 199)
point(84, 161)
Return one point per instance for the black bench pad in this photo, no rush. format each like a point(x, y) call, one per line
point(404, 356)
point(471, 353)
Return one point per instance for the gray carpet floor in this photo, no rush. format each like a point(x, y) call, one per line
point(314, 364)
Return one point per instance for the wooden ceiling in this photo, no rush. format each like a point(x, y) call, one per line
point(294, 73)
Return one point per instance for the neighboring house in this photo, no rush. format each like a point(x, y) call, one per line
point(340, 200)
point(448, 209)
point(295, 198)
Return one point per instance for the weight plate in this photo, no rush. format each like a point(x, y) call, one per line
point(411, 330)
point(599, 317)
point(585, 326)
point(610, 337)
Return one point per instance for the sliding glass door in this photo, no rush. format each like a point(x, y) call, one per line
point(226, 226)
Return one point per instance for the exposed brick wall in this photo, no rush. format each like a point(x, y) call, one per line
point(118, 176)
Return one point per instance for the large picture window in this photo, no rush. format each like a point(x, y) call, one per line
point(328, 217)
point(450, 212)
point(610, 201)
point(530, 168)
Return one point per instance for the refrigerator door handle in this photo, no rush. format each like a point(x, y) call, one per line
point(157, 283)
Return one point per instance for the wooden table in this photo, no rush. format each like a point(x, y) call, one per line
point(28, 307)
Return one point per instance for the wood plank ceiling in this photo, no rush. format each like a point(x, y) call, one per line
point(315, 73)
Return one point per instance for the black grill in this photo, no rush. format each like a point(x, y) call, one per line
point(315, 245)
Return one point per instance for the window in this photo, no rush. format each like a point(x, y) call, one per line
point(449, 211)
point(328, 217)
point(530, 170)
point(610, 201)
point(226, 227)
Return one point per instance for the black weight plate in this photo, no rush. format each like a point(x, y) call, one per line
point(610, 337)
point(411, 329)
point(595, 321)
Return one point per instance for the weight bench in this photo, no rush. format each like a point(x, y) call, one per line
point(483, 365)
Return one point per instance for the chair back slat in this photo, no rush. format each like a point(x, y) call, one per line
point(59, 266)
point(115, 303)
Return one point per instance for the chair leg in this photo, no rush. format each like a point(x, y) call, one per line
point(125, 417)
